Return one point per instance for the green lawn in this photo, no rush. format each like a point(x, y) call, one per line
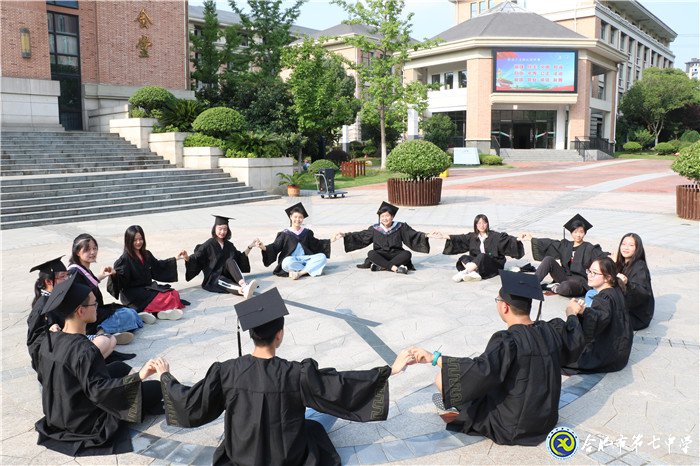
point(342, 182)
point(648, 155)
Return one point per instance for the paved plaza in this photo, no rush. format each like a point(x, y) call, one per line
point(356, 319)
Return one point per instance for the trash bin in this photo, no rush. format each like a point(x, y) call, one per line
point(327, 181)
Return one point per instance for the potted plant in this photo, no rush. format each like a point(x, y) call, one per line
point(688, 196)
point(422, 161)
point(293, 182)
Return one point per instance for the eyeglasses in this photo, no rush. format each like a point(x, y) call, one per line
point(499, 300)
point(90, 305)
point(590, 272)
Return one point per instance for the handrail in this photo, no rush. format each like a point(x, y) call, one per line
point(595, 143)
point(496, 145)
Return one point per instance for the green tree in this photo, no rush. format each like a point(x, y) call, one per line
point(387, 46)
point(439, 129)
point(323, 93)
point(660, 91)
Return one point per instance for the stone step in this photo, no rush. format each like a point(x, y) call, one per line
point(62, 150)
point(18, 222)
point(96, 177)
point(72, 158)
point(48, 171)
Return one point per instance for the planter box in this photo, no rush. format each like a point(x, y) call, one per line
point(688, 201)
point(134, 130)
point(201, 157)
point(169, 146)
point(407, 192)
point(259, 173)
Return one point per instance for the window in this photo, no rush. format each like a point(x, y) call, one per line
point(65, 3)
point(434, 79)
point(462, 78)
point(449, 80)
point(64, 45)
point(603, 30)
point(492, 3)
point(613, 37)
point(482, 6)
point(473, 10)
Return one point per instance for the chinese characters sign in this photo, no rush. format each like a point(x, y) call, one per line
point(534, 71)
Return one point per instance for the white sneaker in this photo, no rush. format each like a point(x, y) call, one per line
point(472, 277)
point(171, 314)
point(249, 288)
point(294, 275)
point(124, 338)
point(147, 318)
point(459, 276)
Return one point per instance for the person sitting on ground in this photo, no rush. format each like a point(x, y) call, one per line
point(569, 278)
point(606, 323)
point(86, 401)
point(51, 273)
point(296, 249)
point(487, 250)
point(387, 239)
point(632, 271)
point(221, 263)
point(264, 397)
point(112, 318)
point(133, 280)
point(510, 393)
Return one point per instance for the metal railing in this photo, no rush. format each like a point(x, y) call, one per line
point(496, 145)
point(595, 143)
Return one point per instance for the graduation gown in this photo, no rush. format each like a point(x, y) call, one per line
point(497, 246)
point(264, 401)
point(37, 326)
point(286, 242)
point(134, 283)
point(104, 311)
point(608, 332)
point(510, 393)
point(563, 249)
point(210, 259)
point(83, 406)
point(388, 243)
point(639, 297)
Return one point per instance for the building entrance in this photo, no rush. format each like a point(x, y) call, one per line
point(524, 129)
point(64, 54)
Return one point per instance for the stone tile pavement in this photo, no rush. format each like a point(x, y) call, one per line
point(355, 319)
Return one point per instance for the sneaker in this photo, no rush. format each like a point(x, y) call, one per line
point(437, 401)
point(375, 268)
point(364, 265)
point(185, 302)
point(124, 338)
point(554, 288)
point(515, 269)
point(402, 269)
point(294, 275)
point(147, 318)
point(459, 276)
point(472, 277)
point(171, 314)
point(249, 288)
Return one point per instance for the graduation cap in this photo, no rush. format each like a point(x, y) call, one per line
point(298, 207)
point(50, 267)
point(519, 289)
point(221, 220)
point(258, 311)
point(66, 297)
point(579, 221)
point(386, 207)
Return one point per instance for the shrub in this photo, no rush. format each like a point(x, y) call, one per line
point(632, 146)
point(164, 129)
point(322, 163)
point(295, 179)
point(137, 113)
point(643, 137)
point(369, 150)
point(337, 156)
point(258, 144)
point(687, 163)
point(202, 140)
point(489, 159)
point(439, 129)
point(664, 148)
point(690, 136)
point(239, 154)
point(676, 144)
point(418, 159)
point(150, 98)
point(180, 113)
point(220, 122)
point(356, 148)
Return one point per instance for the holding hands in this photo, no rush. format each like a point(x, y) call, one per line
point(182, 255)
point(622, 277)
point(575, 307)
point(403, 359)
point(525, 236)
point(437, 235)
point(106, 272)
point(336, 236)
point(160, 366)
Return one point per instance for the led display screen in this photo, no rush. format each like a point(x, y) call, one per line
point(534, 71)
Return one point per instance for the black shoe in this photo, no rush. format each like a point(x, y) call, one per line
point(364, 265)
point(119, 356)
point(528, 268)
point(185, 302)
point(402, 269)
point(375, 268)
point(544, 286)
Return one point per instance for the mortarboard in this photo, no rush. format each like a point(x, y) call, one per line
point(221, 220)
point(519, 289)
point(298, 207)
point(261, 309)
point(49, 267)
point(577, 219)
point(386, 207)
point(66, 297)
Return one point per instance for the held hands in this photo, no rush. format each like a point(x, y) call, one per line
point(575, 307)
point(147, 370)
point(106, 272)
point(525, 236)
point(403, 359)
point(55, 328)
point(336, 236)
point(622, 277)
point(182, 255)
point(437, 235)
point(160, 366)
point(421, 355)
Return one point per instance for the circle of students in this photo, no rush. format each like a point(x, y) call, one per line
point(510, 393)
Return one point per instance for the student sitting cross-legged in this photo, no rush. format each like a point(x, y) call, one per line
point(510, 393)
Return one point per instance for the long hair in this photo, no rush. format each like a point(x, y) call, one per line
point(607, 268)
point(228, 233)
point(485, 219)
point(621, 265)
point(40, 284)
point(129, 236)
point(80, 242)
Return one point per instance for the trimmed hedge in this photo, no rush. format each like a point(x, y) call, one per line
point(322, 163)
point(150, 98)
point(220, 122)
point(687, 163)
point(664, 148)
point(490, 159)
point(202, 140)
point(419, 159)
point(632, 146)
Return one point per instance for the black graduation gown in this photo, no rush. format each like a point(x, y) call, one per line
point(104, 311)
point(83, 406)
point(286, 242)
point(639, 297)
point(608, 332)
point(497, 246)
point(510, 393)
point(264, 402)
point(388, 243)
point(37, 326)
point(134, 283)
point(573, 264)
point(210, 258)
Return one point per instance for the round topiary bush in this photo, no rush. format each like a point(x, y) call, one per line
point(151, 98)
point(490, 159)
point(418, 159)
point(687, 163)
point(632, 146)
point(664, 148)
point(322, 163)
point(220, 122)
point(690, 136)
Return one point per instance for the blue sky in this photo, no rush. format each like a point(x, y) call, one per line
point(434, 16)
